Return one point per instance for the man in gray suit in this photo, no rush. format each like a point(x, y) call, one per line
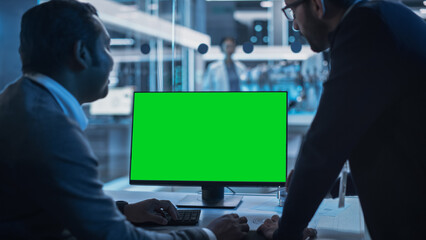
point(49, 182)
point(372, 112)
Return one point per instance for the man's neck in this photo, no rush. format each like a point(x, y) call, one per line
point(68, 81)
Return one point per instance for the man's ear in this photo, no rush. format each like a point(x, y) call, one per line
point(81, 58)
point(318, 8)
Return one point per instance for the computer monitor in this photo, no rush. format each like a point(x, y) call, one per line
point(209, 139)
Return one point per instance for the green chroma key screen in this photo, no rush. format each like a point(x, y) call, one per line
point(234, 137)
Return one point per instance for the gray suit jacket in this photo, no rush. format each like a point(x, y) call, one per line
point(48, 176)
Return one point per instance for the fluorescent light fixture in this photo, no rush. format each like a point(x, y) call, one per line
point(122, 42)
point(248, 17)
point(130, 19)
point(266, 4)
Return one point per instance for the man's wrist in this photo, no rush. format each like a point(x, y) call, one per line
point(210, 234)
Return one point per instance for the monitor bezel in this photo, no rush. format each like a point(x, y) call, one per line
point(206, 183)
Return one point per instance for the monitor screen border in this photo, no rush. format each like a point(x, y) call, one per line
point(206, 183)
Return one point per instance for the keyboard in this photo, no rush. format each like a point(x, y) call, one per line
point(185, 218)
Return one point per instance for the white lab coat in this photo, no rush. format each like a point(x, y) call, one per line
point(216, 77)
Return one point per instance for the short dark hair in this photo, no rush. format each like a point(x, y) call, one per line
point(226, 39)
point(49, 31)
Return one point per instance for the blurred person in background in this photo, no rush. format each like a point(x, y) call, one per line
point(226, 74)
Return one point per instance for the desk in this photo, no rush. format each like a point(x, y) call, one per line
point(330, 221)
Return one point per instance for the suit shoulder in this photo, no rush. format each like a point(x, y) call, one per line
point(407, 31)
point(27, 105)
point(363, 12)
point(26, 95)
point(383, 11)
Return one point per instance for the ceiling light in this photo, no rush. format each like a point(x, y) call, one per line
point(266, 4)
point(122, 42)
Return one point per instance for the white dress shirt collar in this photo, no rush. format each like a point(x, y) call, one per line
point(69, 104)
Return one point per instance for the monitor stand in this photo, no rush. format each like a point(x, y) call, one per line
point(211, 197)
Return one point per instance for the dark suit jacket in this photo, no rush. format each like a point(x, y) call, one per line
point(372, 112)
point(48, 175)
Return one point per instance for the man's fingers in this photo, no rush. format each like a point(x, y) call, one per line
point(275, 218)
point(170, 208)
point(310, 232)
point(244, 227)
point(267, 221)
point(157, 219)
point(260, 228)
point(243, 220)
point(234, 215)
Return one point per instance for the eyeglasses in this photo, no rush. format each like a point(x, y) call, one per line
point(288, 10)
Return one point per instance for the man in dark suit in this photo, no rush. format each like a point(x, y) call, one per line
point(48, 173)
point(372, 112)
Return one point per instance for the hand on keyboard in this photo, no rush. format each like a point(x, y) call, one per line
point(185, 218)
point(150, 210)
point(229, 227)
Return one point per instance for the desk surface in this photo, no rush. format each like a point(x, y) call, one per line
point(330, 221)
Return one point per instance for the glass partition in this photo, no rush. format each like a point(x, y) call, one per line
point(175, 45)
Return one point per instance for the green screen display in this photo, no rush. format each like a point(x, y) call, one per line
point(209, 137)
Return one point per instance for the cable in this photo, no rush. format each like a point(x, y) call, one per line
point(230, 189)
